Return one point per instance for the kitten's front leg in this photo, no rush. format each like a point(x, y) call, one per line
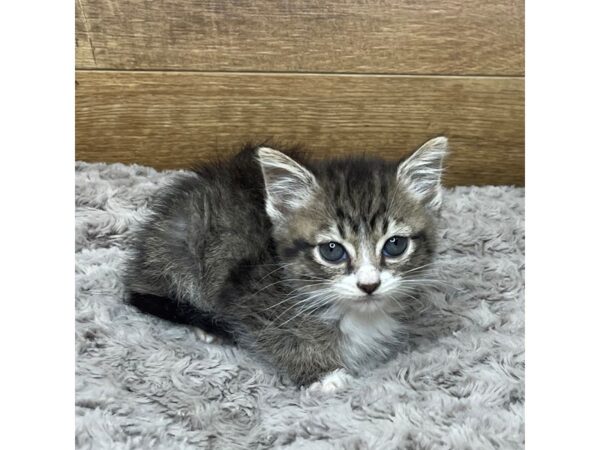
point(206, 337)
point(310, 357)
point(332, 382)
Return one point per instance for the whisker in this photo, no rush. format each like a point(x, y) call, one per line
point(273, 271)
point(425, 282)
point(304, 301)
point(265, 265)
point(286, 280)
point(403, 294)
point(420, 267)
point(310, 309)
point(296, 294)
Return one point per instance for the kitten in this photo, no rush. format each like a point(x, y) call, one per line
point(308, 264)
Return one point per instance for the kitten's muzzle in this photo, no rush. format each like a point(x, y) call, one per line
point(369, 288)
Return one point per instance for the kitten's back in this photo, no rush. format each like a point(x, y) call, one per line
point(200, 229)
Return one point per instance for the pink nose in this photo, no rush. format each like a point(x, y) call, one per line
point(369, 288)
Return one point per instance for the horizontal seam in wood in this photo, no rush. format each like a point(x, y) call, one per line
point(296, 73)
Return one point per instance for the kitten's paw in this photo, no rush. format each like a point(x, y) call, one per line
point(206, 337)
point(332, 382)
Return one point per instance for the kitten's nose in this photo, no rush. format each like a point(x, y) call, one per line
point(369, 288)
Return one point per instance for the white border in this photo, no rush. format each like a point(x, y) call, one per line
point(563, 313)
point(562, 225)
point(37, 224)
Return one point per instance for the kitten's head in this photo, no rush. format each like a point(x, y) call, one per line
point(354, 233)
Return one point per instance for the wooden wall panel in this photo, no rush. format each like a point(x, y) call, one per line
point(170, 120)
point(84, 54)
point(464, 37)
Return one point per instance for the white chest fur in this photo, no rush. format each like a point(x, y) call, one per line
point(368, 338)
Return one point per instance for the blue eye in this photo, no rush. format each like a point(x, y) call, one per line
point(395, 246)
point(332, 252)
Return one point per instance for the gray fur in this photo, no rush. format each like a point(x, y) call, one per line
point(145, 383)
point(236, 242)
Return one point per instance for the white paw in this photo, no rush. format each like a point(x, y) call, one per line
point(332, 382)
point(205, 337)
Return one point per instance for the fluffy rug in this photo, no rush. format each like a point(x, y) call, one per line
point(144, 383)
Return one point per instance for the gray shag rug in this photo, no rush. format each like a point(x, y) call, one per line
point(144, 383)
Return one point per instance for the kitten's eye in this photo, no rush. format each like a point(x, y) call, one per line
point(395, 246)
point(332, 252)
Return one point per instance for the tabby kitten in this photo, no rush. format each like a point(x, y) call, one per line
point(307, 264)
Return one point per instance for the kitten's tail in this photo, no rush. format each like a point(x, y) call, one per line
point(178, 312)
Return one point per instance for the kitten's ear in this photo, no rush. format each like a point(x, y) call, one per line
point(421, 173)
point(288, 185)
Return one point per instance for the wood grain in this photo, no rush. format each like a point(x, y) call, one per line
point(171, 120)
point(84, 54)
point(461, 37)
